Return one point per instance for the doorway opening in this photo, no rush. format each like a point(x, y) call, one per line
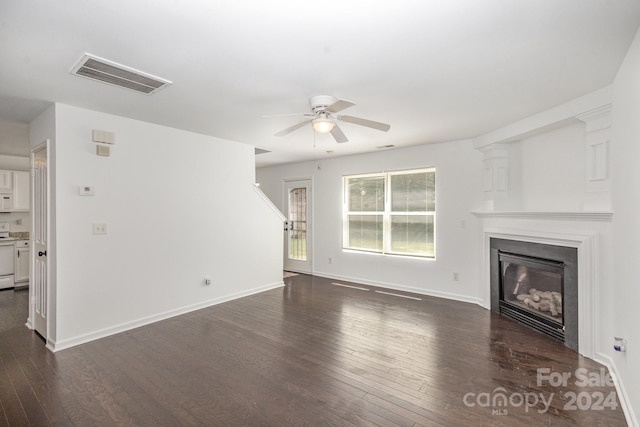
point(298, 231)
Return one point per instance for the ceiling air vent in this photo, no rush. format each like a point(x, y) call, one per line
point(102, 70)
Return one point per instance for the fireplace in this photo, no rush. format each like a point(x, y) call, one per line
point(537, 285)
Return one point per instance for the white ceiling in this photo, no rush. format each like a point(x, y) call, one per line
point(435, 70)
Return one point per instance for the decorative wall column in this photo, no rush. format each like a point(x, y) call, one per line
point(495, 174)
point(597, 168)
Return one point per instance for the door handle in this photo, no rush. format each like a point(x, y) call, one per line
point(40, 253)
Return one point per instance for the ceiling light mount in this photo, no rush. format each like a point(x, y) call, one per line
point(320, 103)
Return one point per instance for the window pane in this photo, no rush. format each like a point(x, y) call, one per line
point(298, 217)
point(365, 232)
point(412, 234)
point(366, 194)
point(413, 192)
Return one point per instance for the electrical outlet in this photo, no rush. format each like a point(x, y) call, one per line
point(456, 277)
point(619, 344)
point(100, 228)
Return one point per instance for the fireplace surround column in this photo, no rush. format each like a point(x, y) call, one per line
point(496, 177)
point(598, 146)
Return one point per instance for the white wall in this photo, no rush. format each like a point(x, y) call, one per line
point(458, 186)
point(551, 169)
point(547, 173)
point(14, 139)
point(626, 202)
point(178, 206)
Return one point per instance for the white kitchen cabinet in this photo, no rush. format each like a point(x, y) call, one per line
point(22, 261)
point(21, 187)
point(5, 181)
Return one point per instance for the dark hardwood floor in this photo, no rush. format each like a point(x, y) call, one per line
point(311, 353)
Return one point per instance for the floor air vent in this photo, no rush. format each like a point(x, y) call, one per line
point(105, 71)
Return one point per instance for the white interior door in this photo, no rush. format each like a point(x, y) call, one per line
point(40, 216)
point(298, 236)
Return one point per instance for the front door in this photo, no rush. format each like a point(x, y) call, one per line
point(298, 239)
point(40, 216)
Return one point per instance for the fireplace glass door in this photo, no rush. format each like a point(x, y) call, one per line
point(533, 286)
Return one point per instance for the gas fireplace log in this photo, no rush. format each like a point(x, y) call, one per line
point(553, 309)
point(543, 301)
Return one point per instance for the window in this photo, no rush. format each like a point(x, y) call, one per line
point(391, 213)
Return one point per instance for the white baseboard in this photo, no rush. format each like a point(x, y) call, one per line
point(398, 287)
point(112, 330)
point(629, 414)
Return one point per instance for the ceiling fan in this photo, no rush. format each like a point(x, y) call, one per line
point(324, 115)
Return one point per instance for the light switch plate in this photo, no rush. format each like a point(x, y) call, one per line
point(103, 150)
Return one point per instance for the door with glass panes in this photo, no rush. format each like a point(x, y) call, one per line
point(298, 234)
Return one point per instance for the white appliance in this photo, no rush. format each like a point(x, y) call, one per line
point(6, 202)
point(6, 257)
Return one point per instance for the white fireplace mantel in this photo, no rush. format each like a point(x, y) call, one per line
point(566, 216)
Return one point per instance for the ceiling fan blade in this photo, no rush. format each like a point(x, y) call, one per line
point(292, 128)
point(338, 135)
point(339, 105)
point(364, 122)
point(268, 116)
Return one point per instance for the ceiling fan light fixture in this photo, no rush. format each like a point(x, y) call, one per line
point(323, 125)
point(324, 114)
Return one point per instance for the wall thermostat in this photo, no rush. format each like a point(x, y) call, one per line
point(86, 190)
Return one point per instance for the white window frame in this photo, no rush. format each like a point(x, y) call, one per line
point(386, 213)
